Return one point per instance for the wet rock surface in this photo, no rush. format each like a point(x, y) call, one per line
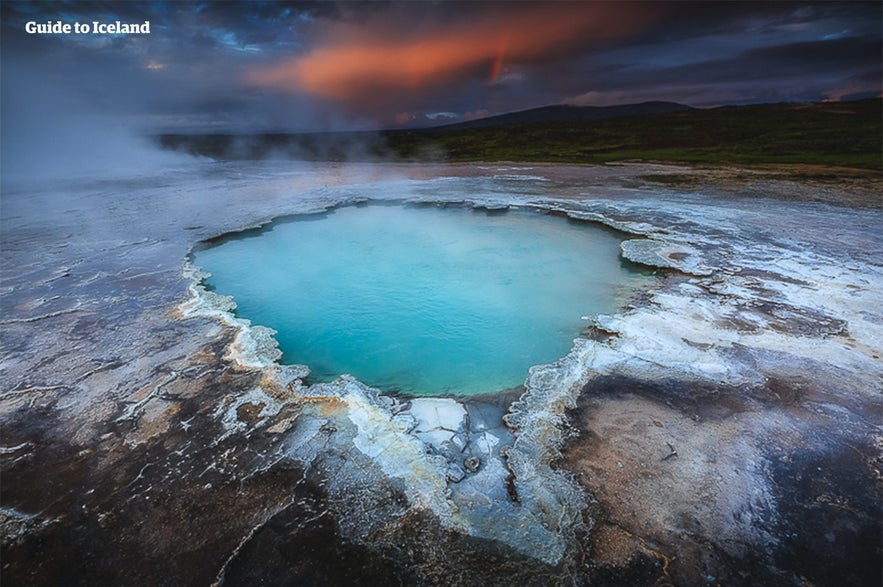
point(720, 486)
point(723, 429)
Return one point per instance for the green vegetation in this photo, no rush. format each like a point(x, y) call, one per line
point(845, 134)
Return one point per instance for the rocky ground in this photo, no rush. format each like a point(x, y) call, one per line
point(725, 428)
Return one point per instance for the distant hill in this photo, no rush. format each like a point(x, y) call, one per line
point(846, 134)
point(567, 113)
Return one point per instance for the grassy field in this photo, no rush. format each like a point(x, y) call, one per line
point(844, 134)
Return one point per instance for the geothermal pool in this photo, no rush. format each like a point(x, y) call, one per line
point(425, 301)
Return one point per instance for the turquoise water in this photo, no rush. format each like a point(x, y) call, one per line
point(422, 301)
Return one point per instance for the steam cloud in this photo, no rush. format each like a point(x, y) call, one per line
point(49, 132)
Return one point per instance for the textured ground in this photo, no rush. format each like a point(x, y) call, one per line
point(724, 428)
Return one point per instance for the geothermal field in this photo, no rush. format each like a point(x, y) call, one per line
point(716, 422)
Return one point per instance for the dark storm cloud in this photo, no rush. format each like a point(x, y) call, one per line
point(196, 54)
point(806, 70)
point(823, 53)
point(699, 53)
point(313, 65)
point(811, 58)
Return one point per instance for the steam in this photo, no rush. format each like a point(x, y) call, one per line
point(51, 131)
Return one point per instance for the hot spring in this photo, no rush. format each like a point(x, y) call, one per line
point(426, 301)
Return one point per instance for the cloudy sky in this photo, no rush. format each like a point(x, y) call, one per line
point(301, 66)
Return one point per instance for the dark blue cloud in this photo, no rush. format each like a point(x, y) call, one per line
point(190, 72)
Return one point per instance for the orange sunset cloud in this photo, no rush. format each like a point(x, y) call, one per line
point(352, 63)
